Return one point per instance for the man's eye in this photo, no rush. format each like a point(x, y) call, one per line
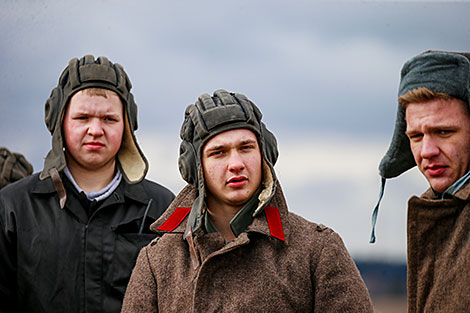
point(415, 137)
point(445, 132)
point(81, 118)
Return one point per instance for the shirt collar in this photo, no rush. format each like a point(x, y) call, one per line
point(98, 195)
point(240, 221)
point(452, 189)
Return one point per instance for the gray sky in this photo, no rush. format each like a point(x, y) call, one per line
point(325, 76)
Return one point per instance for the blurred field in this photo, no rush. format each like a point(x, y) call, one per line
point(389, 304)
point(387, 285)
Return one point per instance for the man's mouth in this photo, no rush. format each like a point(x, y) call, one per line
point(435, 169)
point(94, 145)
point(237, 181)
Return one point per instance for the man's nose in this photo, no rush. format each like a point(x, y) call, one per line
point(429, 148)
point(235, 162)
point(95, 127)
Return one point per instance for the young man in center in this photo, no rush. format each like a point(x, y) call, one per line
point(228, 243)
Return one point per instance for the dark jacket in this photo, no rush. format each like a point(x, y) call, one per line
point(439, 253)
point(281, 263)
point(76, 259)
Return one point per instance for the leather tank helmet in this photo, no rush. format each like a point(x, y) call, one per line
point(90, 73)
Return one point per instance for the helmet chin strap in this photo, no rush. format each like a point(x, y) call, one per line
point(59, 186)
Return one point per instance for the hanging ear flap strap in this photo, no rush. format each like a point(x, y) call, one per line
point(376, 211)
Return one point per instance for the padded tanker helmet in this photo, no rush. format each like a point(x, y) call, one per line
point(90, 73)
point(13, 167)
point(210, 116)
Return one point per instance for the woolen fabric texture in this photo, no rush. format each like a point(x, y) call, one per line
point(439, 253)
point(76, 259)
point(311, 271)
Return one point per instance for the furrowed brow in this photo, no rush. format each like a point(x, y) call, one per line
point(110, 114)
point(214, 148)
point(248, 141)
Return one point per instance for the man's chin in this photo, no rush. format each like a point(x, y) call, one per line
point(439, 185)
point(239, 200)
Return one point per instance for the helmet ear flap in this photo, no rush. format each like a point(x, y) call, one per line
point(187, 129)
point(132, 112)
point(187, 163)
point(270, 145)
point(187, 160)
point(51, 111)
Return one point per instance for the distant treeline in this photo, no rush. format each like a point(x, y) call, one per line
point(384, 278)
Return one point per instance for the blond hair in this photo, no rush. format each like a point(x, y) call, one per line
point(421, 94)
point(95, 91)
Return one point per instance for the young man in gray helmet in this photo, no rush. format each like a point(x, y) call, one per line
point(228, 243)
point(433, 132)
point(70, 235)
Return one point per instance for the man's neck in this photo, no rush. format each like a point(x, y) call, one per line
point(92, 180)
point(221, 217)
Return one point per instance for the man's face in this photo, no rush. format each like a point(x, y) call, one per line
point(439, 133)
point(93, 127)
point(232, 168)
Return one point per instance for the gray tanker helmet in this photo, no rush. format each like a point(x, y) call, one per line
point(438, 71)
point(210, 116)
point(90, 73)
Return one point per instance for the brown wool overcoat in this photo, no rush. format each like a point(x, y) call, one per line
point(311, 271)
point(439, 253)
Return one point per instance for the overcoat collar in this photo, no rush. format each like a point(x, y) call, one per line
point(174, 218)
point(462, 194)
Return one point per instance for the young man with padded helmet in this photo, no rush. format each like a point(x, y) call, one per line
point(432, 131)
point(228, 243)
point(70, 235)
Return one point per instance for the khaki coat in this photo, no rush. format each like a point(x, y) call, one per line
point(439, 253)
point(309, 271)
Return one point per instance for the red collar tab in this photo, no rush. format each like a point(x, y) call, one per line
point(174, 219)
point(274, 222)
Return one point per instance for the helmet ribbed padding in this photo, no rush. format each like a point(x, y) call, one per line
point(210, 116)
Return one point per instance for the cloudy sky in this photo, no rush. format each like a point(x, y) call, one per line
point(325, 75)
